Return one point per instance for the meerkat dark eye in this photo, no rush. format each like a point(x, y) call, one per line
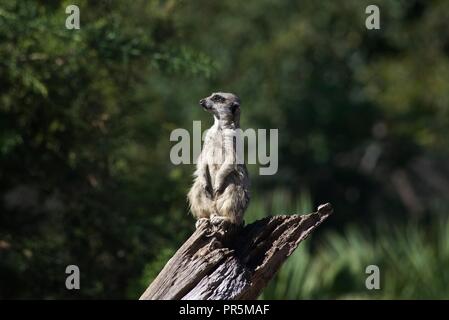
point(218, 98)
point(234, 106)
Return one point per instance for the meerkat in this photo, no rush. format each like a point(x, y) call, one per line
point(220, 190)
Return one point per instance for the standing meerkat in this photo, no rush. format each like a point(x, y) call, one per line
point(221, 185)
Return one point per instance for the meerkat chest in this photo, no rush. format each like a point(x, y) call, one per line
point(215, 149)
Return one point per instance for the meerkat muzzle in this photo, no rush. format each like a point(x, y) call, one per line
point(205, 105)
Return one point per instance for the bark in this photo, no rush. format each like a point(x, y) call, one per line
point(228, 262)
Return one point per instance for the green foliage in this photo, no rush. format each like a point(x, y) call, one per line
point(81, 182)
point(150, 272)
point(412, 260)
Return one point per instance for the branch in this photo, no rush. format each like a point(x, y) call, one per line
point(228, 262)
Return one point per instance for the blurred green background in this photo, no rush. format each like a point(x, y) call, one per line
point(85, 118)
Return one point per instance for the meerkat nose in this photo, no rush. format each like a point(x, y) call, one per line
point(203, 102)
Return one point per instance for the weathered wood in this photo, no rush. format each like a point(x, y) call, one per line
point(226, 262)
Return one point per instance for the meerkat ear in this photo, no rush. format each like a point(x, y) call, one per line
point(234, 106)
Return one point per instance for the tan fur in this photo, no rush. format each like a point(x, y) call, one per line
point(221, 185)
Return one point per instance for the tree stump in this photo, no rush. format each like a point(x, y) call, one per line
point(226, 262)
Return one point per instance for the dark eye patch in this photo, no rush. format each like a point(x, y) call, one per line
point(234, 106)
point(218, 98)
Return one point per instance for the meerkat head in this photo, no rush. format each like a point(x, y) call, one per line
point(224, 106)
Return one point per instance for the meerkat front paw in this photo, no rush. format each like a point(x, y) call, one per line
point(217, 220)
point(200, 221)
